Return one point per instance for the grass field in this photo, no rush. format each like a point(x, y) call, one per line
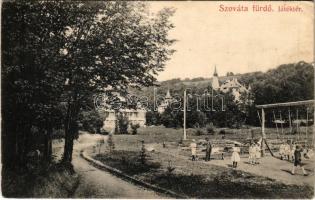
point(172, 168)
point(159, 134)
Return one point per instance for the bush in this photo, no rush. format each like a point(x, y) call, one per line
point(199, 132)
point(222, 132)
point(110, 142)
point(123, 124)
point(91, 121)
point(143, 155)
point(134, 128)
point(210, 128)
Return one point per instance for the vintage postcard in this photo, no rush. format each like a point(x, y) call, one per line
point(157, 99)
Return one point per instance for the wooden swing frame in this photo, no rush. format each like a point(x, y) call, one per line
point(276, 105)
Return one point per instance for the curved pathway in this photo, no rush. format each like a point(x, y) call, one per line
point(96, 183)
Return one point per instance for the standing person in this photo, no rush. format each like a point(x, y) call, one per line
point(193, 147)
point(208, 149)
point(257, 152)
point(282, 152)
point(235, 156)
point(252, 154)
point(298, 160)
point(291, 152)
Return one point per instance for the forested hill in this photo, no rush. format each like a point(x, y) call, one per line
point(287, 82)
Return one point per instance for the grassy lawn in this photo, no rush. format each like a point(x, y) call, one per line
point(199, 180)
point(194, 179)
point(159, 134)
point(41, 180)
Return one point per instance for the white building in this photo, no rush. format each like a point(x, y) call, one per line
point(134, 116)
point(168, 99)
point(231, 84)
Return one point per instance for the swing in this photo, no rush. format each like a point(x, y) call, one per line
point(298, 122)
point(290, 122)
point(278, 121)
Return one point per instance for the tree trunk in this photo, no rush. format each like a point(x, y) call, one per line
point(71, 129)
point(48, 145)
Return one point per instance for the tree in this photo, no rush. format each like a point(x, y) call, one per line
point(91, 121)
point(31, 89)
point(229, 74)
point(76, 50)
point(123, 123)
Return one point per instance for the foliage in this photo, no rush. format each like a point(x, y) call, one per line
point(91, 121)
point(170, 168)
point(153, 118)
point(199, 131)
point(210, 128)
point(143, 154)
point(57, 54)
point(134, 128)
point(123, 124)
point(111, 143)
point(222, 132)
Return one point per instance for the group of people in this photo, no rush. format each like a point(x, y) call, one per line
point(291, 152)
point(193, 147)
point(286, 151)
point(235, 155)
point(254, 152)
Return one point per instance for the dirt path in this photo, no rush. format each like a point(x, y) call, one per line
point(269, 167)
point(96, 183)
point(274, 168)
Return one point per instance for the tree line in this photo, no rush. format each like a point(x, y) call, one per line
point(287, 82)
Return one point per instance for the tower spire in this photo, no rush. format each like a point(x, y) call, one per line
point(215, 80)
point(168, 94)
point(215, 71)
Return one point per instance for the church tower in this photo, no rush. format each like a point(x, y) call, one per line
point(215, 80)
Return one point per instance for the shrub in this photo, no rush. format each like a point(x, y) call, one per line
point(123, 124)
point(170, 168)
point(110, 142)
point(199, 132)
point(143, 155)
point(210, 128)
point(134, 128)
point(222, 132)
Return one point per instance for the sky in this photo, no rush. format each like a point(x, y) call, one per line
point(237, 42)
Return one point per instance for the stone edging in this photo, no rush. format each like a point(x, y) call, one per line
point(119, 173)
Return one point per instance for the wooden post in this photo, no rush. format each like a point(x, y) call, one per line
point(313, 139)
point(263, 132)
point(184, 125)
point(306, 123)
point(297, 123)
point(290, 122)
point(211, 99)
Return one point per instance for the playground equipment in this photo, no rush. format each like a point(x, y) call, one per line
point(278, 121)
point(297, 121)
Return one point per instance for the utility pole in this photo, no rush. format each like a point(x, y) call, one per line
point(263, 132)
point(184, 125)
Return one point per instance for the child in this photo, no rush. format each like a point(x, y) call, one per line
point(292, 154)
point(252, 155)
point(193, 147)
point(235, 156)
point(298, 160)
point(282, 151)
point(257, 153)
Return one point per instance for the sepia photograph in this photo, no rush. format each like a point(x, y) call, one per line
point(157, 99)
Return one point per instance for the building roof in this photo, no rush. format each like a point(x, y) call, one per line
point(168, 94)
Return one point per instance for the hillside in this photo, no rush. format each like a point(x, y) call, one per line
point(287, 82)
